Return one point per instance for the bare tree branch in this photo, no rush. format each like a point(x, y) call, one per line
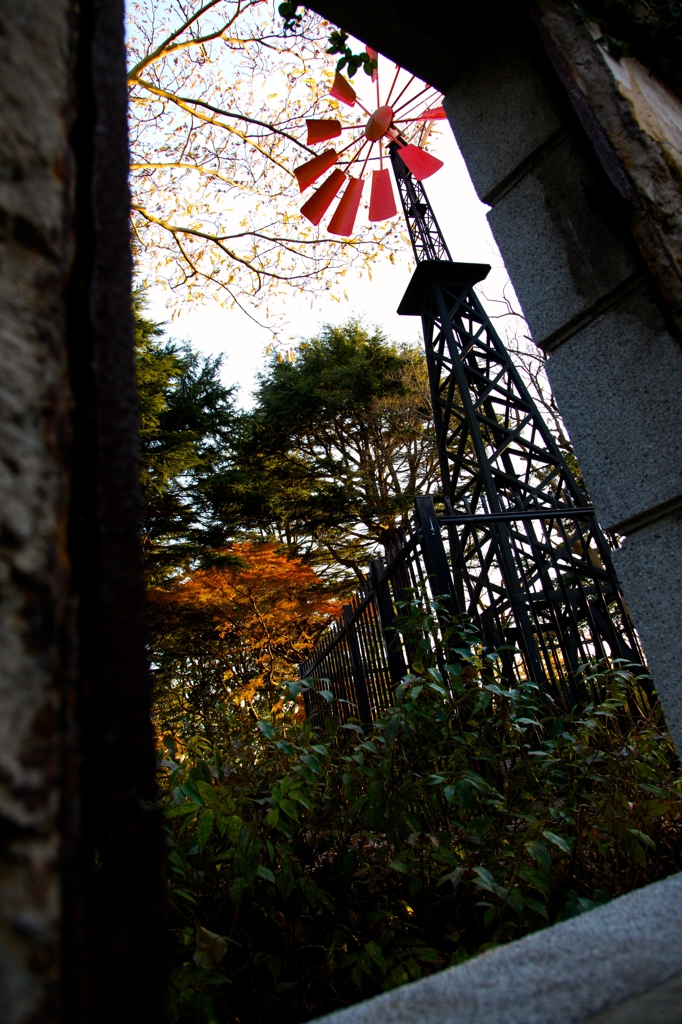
point(185, 101)
point(170, 46)
point(214, 145)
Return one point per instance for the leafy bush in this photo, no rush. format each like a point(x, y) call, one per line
point(308, 871)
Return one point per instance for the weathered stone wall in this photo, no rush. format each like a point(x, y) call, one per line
point(35, 249)
point(80, 850)
point(634, 126)
point(581, 169)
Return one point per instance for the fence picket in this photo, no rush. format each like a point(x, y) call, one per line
point(569, 621)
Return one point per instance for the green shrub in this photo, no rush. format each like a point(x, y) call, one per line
point(308, 871)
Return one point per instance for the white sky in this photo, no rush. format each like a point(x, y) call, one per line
point(214, 329)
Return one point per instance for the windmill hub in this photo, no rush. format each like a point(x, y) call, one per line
point(403, 119)
point(379, 123)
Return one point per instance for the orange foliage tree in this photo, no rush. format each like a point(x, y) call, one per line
point(224, 638)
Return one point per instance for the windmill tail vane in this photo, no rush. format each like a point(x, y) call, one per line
point(398, 120)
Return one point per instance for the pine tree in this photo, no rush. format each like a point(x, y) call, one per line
point(186, 420)
point(337, 446)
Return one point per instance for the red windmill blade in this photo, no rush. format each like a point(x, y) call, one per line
point(374, 55)
point(404, 118)
point(322, 131)
point(343, 221)
point(419, 162)
point(435, 114)
point(342, 90)
point(381, 199)
point(307, 173)
point(323, 197)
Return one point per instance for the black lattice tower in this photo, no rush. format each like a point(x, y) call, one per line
point(426, 237)
point(530, 564)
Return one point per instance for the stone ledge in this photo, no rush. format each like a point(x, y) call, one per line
point(660, 1005)
point(606, 964)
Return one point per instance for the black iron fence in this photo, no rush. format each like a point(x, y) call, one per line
point(565, 614)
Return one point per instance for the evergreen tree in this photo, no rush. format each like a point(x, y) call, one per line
point(186, 420)
point(339, 443)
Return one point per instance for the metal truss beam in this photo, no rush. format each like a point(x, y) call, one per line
point(426, 237)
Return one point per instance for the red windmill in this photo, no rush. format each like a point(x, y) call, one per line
point(404, 118)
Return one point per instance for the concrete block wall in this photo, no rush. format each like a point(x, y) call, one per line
point(615, 360)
